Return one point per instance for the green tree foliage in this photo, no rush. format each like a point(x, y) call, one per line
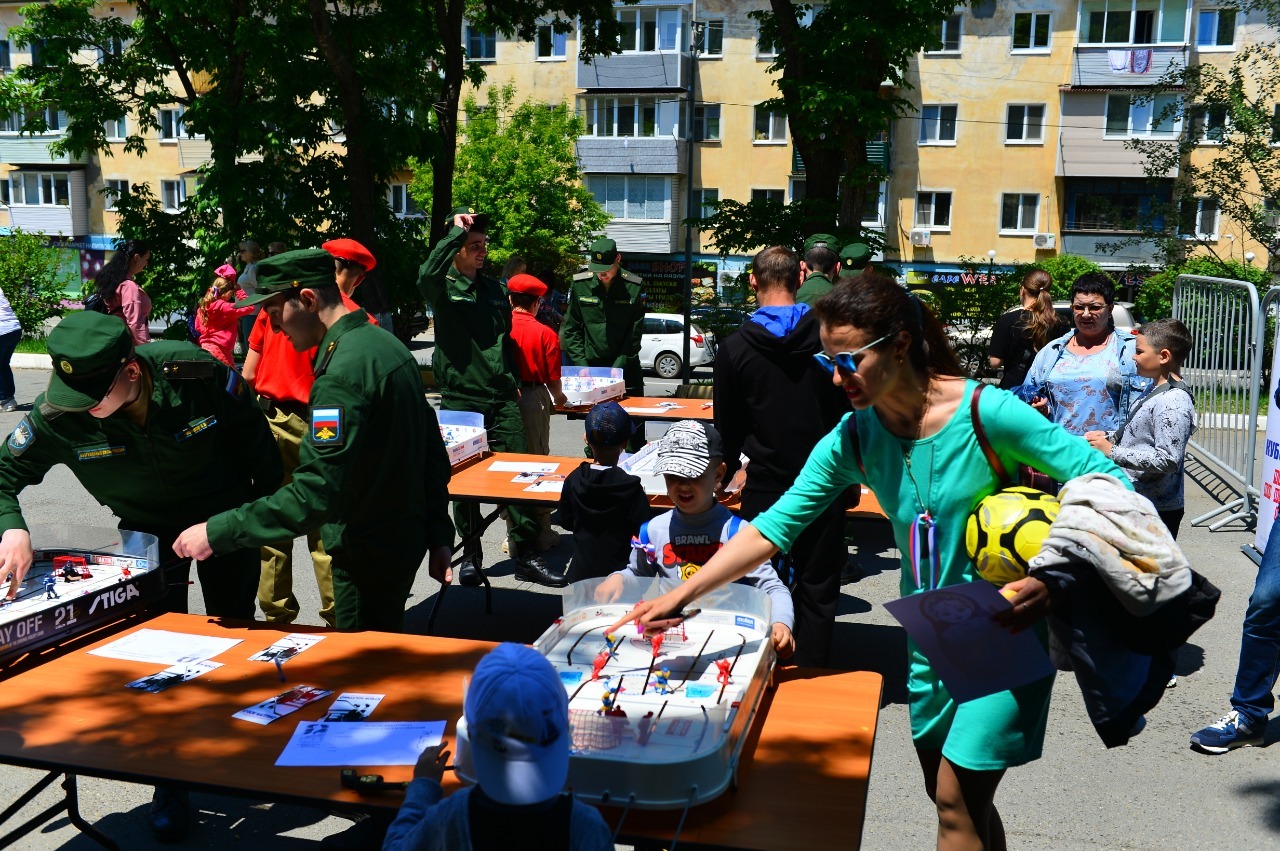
point(30, 279)
point(831, 74)
point(1064, 269)
point(517, 163)
point(1155, 297)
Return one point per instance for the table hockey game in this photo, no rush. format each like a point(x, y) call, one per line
point(657, 730)
point(80, 579)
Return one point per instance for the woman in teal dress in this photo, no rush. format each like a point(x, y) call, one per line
point(920, 456)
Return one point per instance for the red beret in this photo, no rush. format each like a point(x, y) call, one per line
point(527, 284)
point(349, 249)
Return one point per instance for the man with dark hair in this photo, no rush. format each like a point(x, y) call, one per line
point(773, 403)
point(821, 263)
point(475, 367)
point(380, 519)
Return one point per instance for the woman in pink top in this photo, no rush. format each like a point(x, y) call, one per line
point(217, 316)
point(120, 294)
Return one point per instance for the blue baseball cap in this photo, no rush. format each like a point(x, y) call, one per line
point(608, 424)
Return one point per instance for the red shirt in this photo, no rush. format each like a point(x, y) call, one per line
point(537, 349)
point(284, 373)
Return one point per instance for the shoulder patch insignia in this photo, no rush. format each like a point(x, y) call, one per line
point(236, 386)
point(632, 277)
point(22, 437)
point(326, 426)
point(584, 276)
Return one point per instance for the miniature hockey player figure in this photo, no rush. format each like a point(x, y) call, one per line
point(612, 643)
point(602, 659)
point(50, 587)
point(125, 573)
point(661, 681)
point(723, 677)
point(606, 702)
point(657, 644)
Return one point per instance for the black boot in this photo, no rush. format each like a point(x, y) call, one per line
point(469, 571)
point(532, 567)
point(170, 813)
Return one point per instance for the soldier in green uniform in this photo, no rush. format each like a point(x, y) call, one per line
point(819, 268)
point(163, 435)
point(372, 467)
point(854, 257)
point(603, 322)
point(475, 368)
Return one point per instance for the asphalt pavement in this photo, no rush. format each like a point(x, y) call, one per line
point(1152, 794)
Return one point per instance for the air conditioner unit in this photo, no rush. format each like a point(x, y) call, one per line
point(1045, 240)
point(920, 238)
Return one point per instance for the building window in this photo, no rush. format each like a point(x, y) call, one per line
point(37, 51)
point(767, 49)
point(11, 122)
point(4, 193)
point(946, 33)
point(1025, 123)
point(1145, 117)
point(170, 120)
point(704, 199)
point(771, 127)
point(172, 194)
point(114, 49)
point(649, 30)
point(482, 45)
point(116, 129)
point(1216, 28)
point(115, 190)
point(778, 195)
point(6, 64)
point(1031, 31)
point(1211, 124)
point(1019, 212)
point(1198, 218)
point(713, 38)
point(401, 202)
point(873, 212)
point(551, 44)
point(706, 122)
point(635, 117)
point(798, 188)
point(633, 197)
point(933, 210)
point(1134, 22)
point(937, 124)
point(40, 189)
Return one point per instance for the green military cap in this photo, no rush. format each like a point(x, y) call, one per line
point(291, 271)
point(479, 223)
point(603, 253)
point(853, 259)
point(821, 240)
point(88, 348)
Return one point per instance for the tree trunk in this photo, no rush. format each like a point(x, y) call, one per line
point(448, 15)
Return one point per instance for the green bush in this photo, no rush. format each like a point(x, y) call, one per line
point(1064, 269)
point(30, 279)
point(1155, 296)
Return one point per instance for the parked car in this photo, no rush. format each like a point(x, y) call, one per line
point(662, 348)
point(720, 321)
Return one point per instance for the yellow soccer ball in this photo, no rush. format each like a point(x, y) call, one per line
point(1005, 531)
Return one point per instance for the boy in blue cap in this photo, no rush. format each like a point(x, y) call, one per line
point(600, 504)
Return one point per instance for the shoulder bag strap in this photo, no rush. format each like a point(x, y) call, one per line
point(992, 458)
point(1144, 399)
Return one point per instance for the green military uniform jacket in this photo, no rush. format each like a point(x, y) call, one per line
point(205, 447)
point(603, 327)
point(372, 468)
point(816, 285)
point(475, 359)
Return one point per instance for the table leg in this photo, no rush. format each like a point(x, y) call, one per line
point(73, 813)
point(479, 529)
point(70, 804)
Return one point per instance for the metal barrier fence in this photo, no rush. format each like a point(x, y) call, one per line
point(1224, 372)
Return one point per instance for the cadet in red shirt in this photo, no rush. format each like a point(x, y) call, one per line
point(538, 361)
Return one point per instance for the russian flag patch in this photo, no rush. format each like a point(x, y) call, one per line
point(326, 426)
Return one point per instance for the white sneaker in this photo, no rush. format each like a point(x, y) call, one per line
point(9, 405)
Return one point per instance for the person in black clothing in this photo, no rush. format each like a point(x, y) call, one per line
point(773, 403)
point(600, 504)
point(1024, 330)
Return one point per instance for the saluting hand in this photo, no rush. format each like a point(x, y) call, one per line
point(15, 559)
point(194, 543)
point(464, 221)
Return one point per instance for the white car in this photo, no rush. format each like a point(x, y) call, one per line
point(661, 348)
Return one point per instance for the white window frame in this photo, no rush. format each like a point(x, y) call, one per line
point(1136, 113)
point(667, 112)
point(1214, 46)
point(700, 115)
point(1202, 124)
point(1009, 123)
point(1032, 47)
point(551, 36)
point(717, 22)
point(1022, 228)
point(924, 138)
point(931, 224)
point(703, 195)
point(777, 120)
point(955, 21)
point(596, 180)
point(769, 193)
point(401, 202)
point(177, 127)
point(114, 188)
point(165, 188)
point(882, 197)
point(799, 182)
point(11, 124)
point(635, 18)
point(46, 185)
point(1207, 236)
point(115, 124)
point(486, 38)
point(770, 51)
